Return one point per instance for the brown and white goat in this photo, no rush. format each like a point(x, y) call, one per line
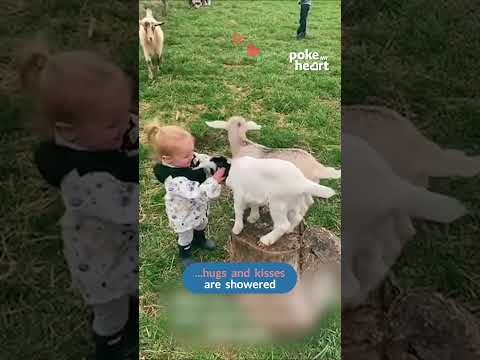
point(151, 39)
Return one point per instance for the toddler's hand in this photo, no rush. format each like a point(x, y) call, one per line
point(218, 176)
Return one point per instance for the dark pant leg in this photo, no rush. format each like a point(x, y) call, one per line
point(303, 18)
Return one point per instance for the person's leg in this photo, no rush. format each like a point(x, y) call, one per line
point(307, 10)
point(200, 240)
point(108, 326)
point(185, 247)
point(304, 9)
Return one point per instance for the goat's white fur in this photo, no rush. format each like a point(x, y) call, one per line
point(387, 132)
point(237, 128)
point(151, 40)
point(273, 182)
point(377, 206)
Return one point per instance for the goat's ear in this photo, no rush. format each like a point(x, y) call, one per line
point(252, 125)
point(217, 124)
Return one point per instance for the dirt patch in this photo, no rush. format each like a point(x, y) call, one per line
point(188, 113)
point(149, 305)
point(330, 104)
point(144, 106)
point(256, 108)
point(281, 121)
point(239, 93)
point(200, 107)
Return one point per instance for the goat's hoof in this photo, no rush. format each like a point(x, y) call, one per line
point(237, 229)
point(266, 241)
point(260, 244)
point(253, 219)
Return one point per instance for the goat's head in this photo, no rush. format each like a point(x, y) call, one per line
point(212, 163)
point(196, 3)
point(148, 23)
point(222, 162)
point(235, 124)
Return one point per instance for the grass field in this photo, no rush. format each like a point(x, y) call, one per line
point(206, 77)
point(41, 316)
point(425, 68)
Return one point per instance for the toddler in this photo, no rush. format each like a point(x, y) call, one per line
point(89, 152)
point(188, 190)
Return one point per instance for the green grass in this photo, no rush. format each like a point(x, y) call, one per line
point(427, 67)
point(206, 77)
point(42, 317)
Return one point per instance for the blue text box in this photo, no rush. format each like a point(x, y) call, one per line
point(239, 278)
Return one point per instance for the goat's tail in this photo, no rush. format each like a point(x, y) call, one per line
point(454, 163)
point(328, 173)
point(318, 190)
point(30, 61)
point(421, 203)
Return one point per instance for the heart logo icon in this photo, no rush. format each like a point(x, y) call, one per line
point(237, 38)
point(252, 50)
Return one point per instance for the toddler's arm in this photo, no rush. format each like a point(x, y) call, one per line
point(188, 189)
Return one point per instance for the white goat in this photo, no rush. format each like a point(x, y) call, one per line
point(237, 128)
point(409, 152)
point(273, 182)
point(374, 200)
point(151, 39)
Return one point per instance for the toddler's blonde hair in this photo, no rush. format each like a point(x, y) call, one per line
point(165, 140)
point(67, 85)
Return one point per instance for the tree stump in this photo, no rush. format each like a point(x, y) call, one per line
point(365, 334)
point(303, 251)
point(429, 326)
point(312, 253)
point(366, 325)
point(417, 324)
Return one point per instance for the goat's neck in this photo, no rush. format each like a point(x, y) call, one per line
point(237, 140)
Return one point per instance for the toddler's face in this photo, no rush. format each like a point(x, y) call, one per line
point(104, 129)
point(183, 156)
